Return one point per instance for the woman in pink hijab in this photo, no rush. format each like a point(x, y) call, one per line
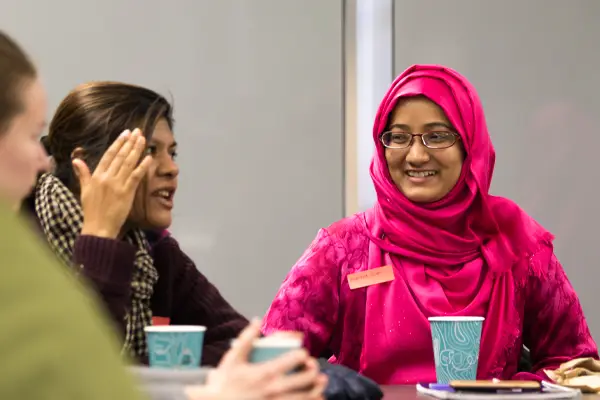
point(450, 248)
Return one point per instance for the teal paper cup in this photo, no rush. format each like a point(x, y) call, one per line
point(175, 346)
point(267, 348)
point(456, 342)
point(270, 347)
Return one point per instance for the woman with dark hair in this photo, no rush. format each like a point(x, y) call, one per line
point(106, 207)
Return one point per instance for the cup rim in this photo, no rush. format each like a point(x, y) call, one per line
point(267, 342)
point(456, 319)
point(175, 328)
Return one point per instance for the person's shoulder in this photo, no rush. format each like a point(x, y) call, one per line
point(529, 240)
point(517, 224)
point(349, 228)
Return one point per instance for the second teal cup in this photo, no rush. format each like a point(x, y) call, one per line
point(267, 348)
point(456, 342)
point(175, 346)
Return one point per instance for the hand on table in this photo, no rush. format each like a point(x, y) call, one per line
point(235, 378)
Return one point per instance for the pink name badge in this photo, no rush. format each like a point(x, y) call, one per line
point(371, 277)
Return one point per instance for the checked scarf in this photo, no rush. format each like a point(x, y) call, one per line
point(61, 218)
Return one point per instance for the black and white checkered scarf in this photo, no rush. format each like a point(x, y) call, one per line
point(61, 218)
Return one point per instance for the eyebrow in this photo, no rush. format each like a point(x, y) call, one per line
point(159, 143)
point(429, 125)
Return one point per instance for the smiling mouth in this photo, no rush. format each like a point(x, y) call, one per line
point(420, 174)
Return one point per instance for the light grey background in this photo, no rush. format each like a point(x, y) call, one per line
point(258, 91)
point(535, 65)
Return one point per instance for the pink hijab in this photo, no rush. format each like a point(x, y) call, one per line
point(438, 233)
point(456, 255)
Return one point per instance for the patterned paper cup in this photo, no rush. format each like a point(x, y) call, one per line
point(456, 343)
point(175, 346)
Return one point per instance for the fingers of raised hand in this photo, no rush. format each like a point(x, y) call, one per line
point(120, 166)
point(131, 145)
point(113, 150)
point(134, 178)
point(132, 159)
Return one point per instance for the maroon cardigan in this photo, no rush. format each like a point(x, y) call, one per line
point(181, 294)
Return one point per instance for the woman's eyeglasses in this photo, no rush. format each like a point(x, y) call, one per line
point(431, 140)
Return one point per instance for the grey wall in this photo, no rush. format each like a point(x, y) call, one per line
point(258, 90)
point(535, 65)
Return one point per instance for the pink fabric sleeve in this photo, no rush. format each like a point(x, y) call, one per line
point(555, 329)
point(308, 300)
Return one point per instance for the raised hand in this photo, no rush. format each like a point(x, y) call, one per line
point(107, 194)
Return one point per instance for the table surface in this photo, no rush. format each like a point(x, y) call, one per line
point(410, 393)
point(400, 392)
point(175, 392)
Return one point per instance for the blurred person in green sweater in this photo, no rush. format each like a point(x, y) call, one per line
point(53, 344)
point(48, 319)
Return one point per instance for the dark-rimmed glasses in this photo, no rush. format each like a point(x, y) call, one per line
point(431, 140)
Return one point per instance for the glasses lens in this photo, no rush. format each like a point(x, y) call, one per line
point(396, 140)
point(439, 140)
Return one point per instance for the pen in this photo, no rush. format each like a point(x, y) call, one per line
point(441, 386)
